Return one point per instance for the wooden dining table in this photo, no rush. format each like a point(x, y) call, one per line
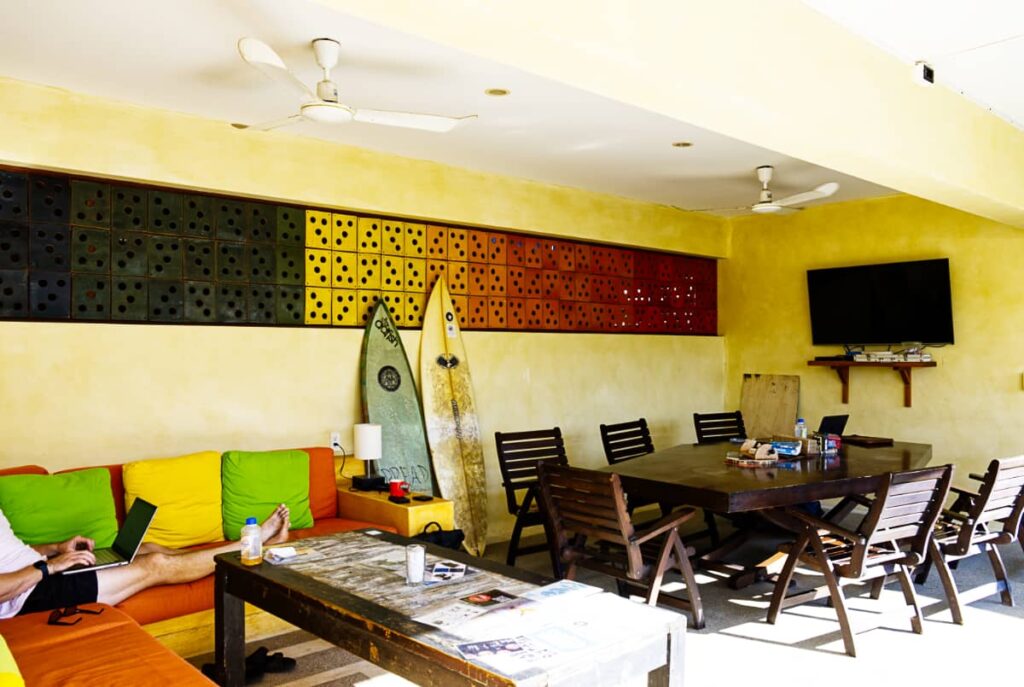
point(697, 475)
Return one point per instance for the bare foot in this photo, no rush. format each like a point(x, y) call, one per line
point(271, 527)
point(282, 534)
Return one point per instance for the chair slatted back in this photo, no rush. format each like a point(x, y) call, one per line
point(584, 504)
point(626, 440)
point(715, 427)
point(519, 454)
point(1001, 497)
point(905, 511)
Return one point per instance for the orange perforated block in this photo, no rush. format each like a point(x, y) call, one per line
point(368, 271)
point(393, 237)
point(477, 241)
point(415, 303)
point(395, 300)
point(461, 305)
point(435, 268)
point(497, 248)
point(343, 232)
point(534, 283)
point(582, 258)
point(600, 317)
point(516, 313)
point(497, 312)
point(369, 235)
point(392, 273)
point(566, 257)
point(458, 277)
point(581, 286)
point(366, 301)
point(552, 284)
point(437, 242)
point(477, 316)
point(516, 281)
point(532, 253)
point(318, 229)
point(318, 305)
point(622, 318)
point(497, 280)
point(318, 267)
point(415, 274)
point(549, 250)
point(478, 279)
point(566, 286)
point(534, 313)
point(549, 313)
point(516, 251)
point(344, 273)
point(343, 307)
point(458, 243)
point(415, 240)
point(568, 315)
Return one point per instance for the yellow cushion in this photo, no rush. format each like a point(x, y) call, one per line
point(186, 493)
point(10, 676)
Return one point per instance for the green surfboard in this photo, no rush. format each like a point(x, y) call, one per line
point(390, 399)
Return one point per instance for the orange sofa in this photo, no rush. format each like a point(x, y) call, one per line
point(169, 601)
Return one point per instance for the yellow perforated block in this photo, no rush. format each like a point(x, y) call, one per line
point(343, 307)
point(344, 273)
point(318, 229)
point(415, 240)
point(369, 235)
point(318, 267)
point(368, 271)
point(393, 240)
point(343, 232)
point(392, 272)
point(396, 304)
point(415, 304)
point(318, 305)
point(366, 301)
point(415, 274)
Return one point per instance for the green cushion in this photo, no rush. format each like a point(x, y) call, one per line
point(48, 509)
point(254, 483)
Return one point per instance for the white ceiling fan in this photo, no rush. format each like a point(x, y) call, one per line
point(767, 205)
point(323, 106)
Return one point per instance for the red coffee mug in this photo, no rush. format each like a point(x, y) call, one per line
point(398, 488)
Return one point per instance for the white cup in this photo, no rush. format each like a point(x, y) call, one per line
point(415, 561)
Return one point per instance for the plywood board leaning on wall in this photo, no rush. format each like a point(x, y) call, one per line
point(769, 403)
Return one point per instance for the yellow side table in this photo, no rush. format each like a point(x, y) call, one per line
point(408, 518)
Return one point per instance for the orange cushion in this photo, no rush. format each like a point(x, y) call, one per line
point(173, 600)
point(107, 649)
point(25, 470)
point(323, 485)
point(116, 487)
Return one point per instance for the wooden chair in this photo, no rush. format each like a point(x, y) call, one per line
point(519, 454)
point(891, 540)
point(626, 441)
point(584, 505)
point(964, 531)
point(715, 427)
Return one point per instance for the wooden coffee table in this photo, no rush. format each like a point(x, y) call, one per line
point(338, 593)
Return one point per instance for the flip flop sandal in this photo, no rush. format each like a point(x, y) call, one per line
point(252, 676)
point(279, 663)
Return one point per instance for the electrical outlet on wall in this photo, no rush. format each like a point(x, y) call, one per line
point(336, 441)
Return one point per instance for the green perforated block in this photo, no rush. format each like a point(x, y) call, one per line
point(90, 297)
point(262, 221)
point(200, 261)
point(198, 220)
point(164, 256)
point(128, 254)
point(232, 304)
point(14, 293)
point(14, 196)
point(262, 303)
point(261, 263)
point(290, 305)
point(166, 300)
point(229, 219)
point(291, 226)
point(90, 204)
point(48, 199)
point(90, 250)
point(290, 265)
point(129, 208)
point(200, 301)
point(128, 298)
point(166, 210)
point(232, 262)
point(13, 245)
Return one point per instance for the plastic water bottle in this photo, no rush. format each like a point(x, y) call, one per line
point(252, 543)
point(800, 429)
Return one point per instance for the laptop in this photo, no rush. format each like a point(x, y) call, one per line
point(127, 542)
point(833, 424)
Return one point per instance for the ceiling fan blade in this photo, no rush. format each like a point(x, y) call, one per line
point(410, 120)
point(738, 207)
point(823, 191)
point(267, 126)
point(262, 57)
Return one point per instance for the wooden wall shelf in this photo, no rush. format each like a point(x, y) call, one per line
point(842, 368)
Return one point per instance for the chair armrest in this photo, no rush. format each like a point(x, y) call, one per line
point(953, 515)
point(829, 527)
point(669, 522)
point(977, 477)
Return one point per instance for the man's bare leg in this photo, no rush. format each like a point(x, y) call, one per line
point(160, 567)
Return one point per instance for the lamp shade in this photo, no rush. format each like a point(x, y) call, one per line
point(366, 441)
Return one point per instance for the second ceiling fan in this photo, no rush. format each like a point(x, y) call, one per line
point(324, 105)
point(766, 203)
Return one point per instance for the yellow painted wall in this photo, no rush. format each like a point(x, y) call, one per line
point(969, 407)
point(80, 394)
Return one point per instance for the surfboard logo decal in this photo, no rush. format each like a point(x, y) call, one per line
point(389, 379)
point(447, 362)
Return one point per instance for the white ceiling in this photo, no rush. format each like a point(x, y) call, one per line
point(181, 56)
point(975, 46)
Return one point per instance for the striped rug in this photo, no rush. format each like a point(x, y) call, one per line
point(318, 663)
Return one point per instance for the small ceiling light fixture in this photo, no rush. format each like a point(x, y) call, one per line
point(682, 144)
point(497, 92)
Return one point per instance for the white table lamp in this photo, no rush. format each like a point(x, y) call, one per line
point(366, 443)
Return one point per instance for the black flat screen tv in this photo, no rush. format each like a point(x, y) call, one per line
point(899, 302)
